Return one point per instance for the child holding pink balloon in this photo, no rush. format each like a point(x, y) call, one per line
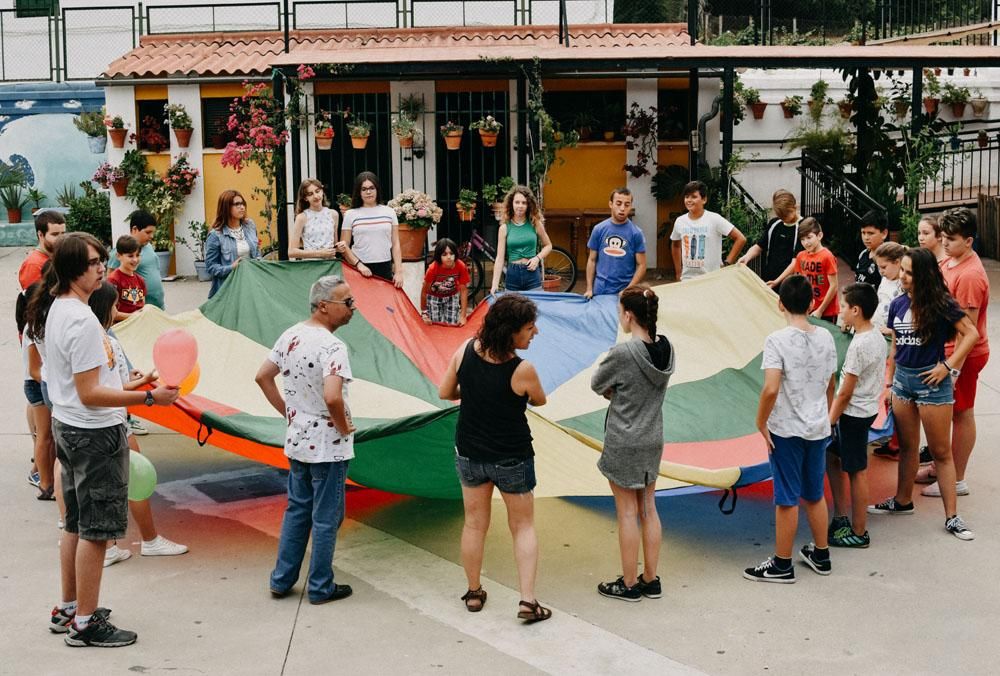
point(103, 302)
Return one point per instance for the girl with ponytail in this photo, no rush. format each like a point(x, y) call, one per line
point(634, 377)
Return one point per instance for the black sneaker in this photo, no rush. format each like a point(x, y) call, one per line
point(846, 537)
point(651, 590)
point(808, 554)
point(618, 590)
point(890, 506)
point(886, 451)
point(99, 633)
point(925, 456)
point(767, 571)
point(59, 620)
point(340, 591)
point(836, 524)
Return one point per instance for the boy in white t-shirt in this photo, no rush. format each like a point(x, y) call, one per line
point(793, 417)
point(697, 236)
point(853, 412)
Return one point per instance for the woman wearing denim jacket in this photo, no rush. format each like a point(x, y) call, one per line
point(233, 238)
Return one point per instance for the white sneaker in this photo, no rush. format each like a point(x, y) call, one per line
point(161, 546)
point(114, 554)
point(934, 490)
point(137, 428)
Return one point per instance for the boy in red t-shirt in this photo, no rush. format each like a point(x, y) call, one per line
point(131, 287)
point(819, 266)
point(444, 298)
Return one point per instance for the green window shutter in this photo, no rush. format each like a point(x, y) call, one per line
point(30, 8)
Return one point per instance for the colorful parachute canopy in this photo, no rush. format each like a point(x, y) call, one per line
point(405, 442)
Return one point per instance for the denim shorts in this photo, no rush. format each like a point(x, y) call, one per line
point(520, 278)
point(33, 392)
point(45, 395)
point(909, 385)
point(514, 475)
point(94, 478)
point(799, 467)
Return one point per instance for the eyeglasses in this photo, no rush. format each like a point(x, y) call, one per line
point(349, 302)
point(95, 262)
point(239, 204)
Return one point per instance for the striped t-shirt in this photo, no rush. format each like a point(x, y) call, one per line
point(371, 228)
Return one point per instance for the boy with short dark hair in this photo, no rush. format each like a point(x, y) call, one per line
point(142, 226)
point(617, 249)
point(853, 412)
point(819, 266)
point(793, 417)
point(696, 240)
point(131, 287)
point(874, 231)
point(49, 227)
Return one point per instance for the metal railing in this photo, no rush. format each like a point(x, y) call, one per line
point(743, 211)
point(971, 167)
point(897, 18)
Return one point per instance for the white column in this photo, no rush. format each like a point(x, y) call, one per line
point(513, 106)
point(643, 92)
point(194, 205)
point(120, 101)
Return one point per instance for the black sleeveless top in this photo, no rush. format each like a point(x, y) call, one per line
point(492, 425)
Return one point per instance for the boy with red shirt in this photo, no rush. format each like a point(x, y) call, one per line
point(967, 282)
point(819, 266)
point(49, 226)
point(131, 287)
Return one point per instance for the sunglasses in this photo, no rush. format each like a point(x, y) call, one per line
point(349, 302)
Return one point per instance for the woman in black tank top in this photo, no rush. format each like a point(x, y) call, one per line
point(493, 442)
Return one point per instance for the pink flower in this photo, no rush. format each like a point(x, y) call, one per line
point(421, 212)
point(305, 72)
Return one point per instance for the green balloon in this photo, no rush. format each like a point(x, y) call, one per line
point(141, 476)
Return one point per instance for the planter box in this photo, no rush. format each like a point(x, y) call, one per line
point(202, 271)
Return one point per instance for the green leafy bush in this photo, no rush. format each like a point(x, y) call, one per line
point(91, 212)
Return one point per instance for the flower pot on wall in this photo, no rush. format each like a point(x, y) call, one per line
point(931, 105)
point(405, 141)
point(758, 110)
point(359, 142)
point(118, 137)
point(98, 144)
point(324, 141)
point(219, 141)
point(120, 186)
point(979, 107)
point(958, 109)
point(465, 215)
point(183, 137)
point(845, 108)
point(901, 108)
point(982, 139)
point(498, 211)
point(489, 138)
point(411, 242)
point(164, 261)
point(13, 215)
point(788, 112)
point(202, 271)
point(453, 140)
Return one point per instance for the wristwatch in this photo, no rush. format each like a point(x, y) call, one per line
point(954, 372)
point(149, 398)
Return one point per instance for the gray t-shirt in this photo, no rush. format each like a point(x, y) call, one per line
point(807, 359)
point(865, 359)
point(701, 242)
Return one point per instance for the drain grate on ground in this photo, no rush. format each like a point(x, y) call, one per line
point(257, 485)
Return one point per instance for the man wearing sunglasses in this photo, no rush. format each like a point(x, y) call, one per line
point(319, 444)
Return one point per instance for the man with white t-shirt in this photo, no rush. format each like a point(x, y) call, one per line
point(88, 424)
point(315, 373)
point(697, 236)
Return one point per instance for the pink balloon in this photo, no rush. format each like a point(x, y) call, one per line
point(175, 354)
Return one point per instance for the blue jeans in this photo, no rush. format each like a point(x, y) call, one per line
point(315, 502)
point(520, 278)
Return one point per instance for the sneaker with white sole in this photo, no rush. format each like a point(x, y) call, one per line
point(161, 546)
point(60, 619)
point(768, 571)
point(890, 506)
point(651, 590)
point(137, 428)
point(35, 479)
point(934, 490)
point(926, 474)
point(619, 590)
point(809, 554)
point(99, 633)
point(114, 554)
point(957, 527)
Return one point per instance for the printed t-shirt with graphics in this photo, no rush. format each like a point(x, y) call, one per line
point(807, 359)
point(371, 229)
point(443, 282)
point(131, 291)
point(817, 268)
point(306, 355)
point(888, 291)
point(701, 242)
point(865, 359)
point(779, 243)
point(911, 351)
point(616, 245)
point(76, 343)
point(970, 287)
point(866, 269)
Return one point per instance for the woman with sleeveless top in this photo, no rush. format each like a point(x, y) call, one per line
point(522, 243)
point(314, 232)
point(493, 443)
point(634, 377)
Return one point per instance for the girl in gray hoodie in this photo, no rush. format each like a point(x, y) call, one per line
point(634, 378)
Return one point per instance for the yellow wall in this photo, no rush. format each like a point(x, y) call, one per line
point(219, 90)
point(150, 92)
point(218, 178)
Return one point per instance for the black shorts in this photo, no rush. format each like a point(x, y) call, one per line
point(94, 479)
point(850, 442)
point(383, 269)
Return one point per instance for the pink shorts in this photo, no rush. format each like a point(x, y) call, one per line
point(965, 384)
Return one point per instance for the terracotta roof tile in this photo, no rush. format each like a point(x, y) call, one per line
point(252, 53)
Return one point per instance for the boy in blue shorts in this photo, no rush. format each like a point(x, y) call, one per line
point(793, 417)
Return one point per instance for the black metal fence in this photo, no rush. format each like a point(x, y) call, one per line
point(971, 167)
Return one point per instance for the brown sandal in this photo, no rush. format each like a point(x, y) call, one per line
point(536, 612)
point(474, 596)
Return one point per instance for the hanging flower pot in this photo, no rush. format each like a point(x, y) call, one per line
point(324, 139)
point(118, 137)
point(937, 71)
point(958, 109)
point(465, 214)
point(489, 138)
point(845, 108)
point(967, 72)
point(498, 211)
point(758, 109)
point(788, 112)
point(359, 142)
point(955, 143)
point(219, 141)
point(453, 139)
point(931, 105)
point(979, 107)
point(816, 106)
point(97, 144)
point(902, 107)
point(983, 139)
point(183, 137)
point(120, 186)
point(405, 141)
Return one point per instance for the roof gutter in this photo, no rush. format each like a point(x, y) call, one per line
point(180, 80)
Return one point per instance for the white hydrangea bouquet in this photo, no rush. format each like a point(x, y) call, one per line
point(416, 209)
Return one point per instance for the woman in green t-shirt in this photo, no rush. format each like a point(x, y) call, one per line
point(522, 243)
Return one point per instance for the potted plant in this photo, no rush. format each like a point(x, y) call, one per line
point(199, 233)
point(900, 98)
point(359, 131)
point(982, 138)
point(751, 98)
point(584, 123)
point(344, 202)
point(92, 124)
point(150, 137)
point(979, 104)
point(324, 129)
point(791, 106)
point(117, 130)
point(452, 135)
point(846, 106)
point(489, 130)
point(13, 198)
point(956, 97)
point(180, 176)
point(818, 98)
point(108, 176)
point(466, 204)
point(405, 128)
point(966, 71)
point(411, 106)
point(36, 197)
point(932, 97)
point(416, 213)
point(493, 197)
point(180, 122)
point(163, 245)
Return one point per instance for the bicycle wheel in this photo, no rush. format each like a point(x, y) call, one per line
point(560, 264)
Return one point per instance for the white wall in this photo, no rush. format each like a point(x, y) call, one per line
point(194, 205)
point(120, 101)
point(643, 92)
